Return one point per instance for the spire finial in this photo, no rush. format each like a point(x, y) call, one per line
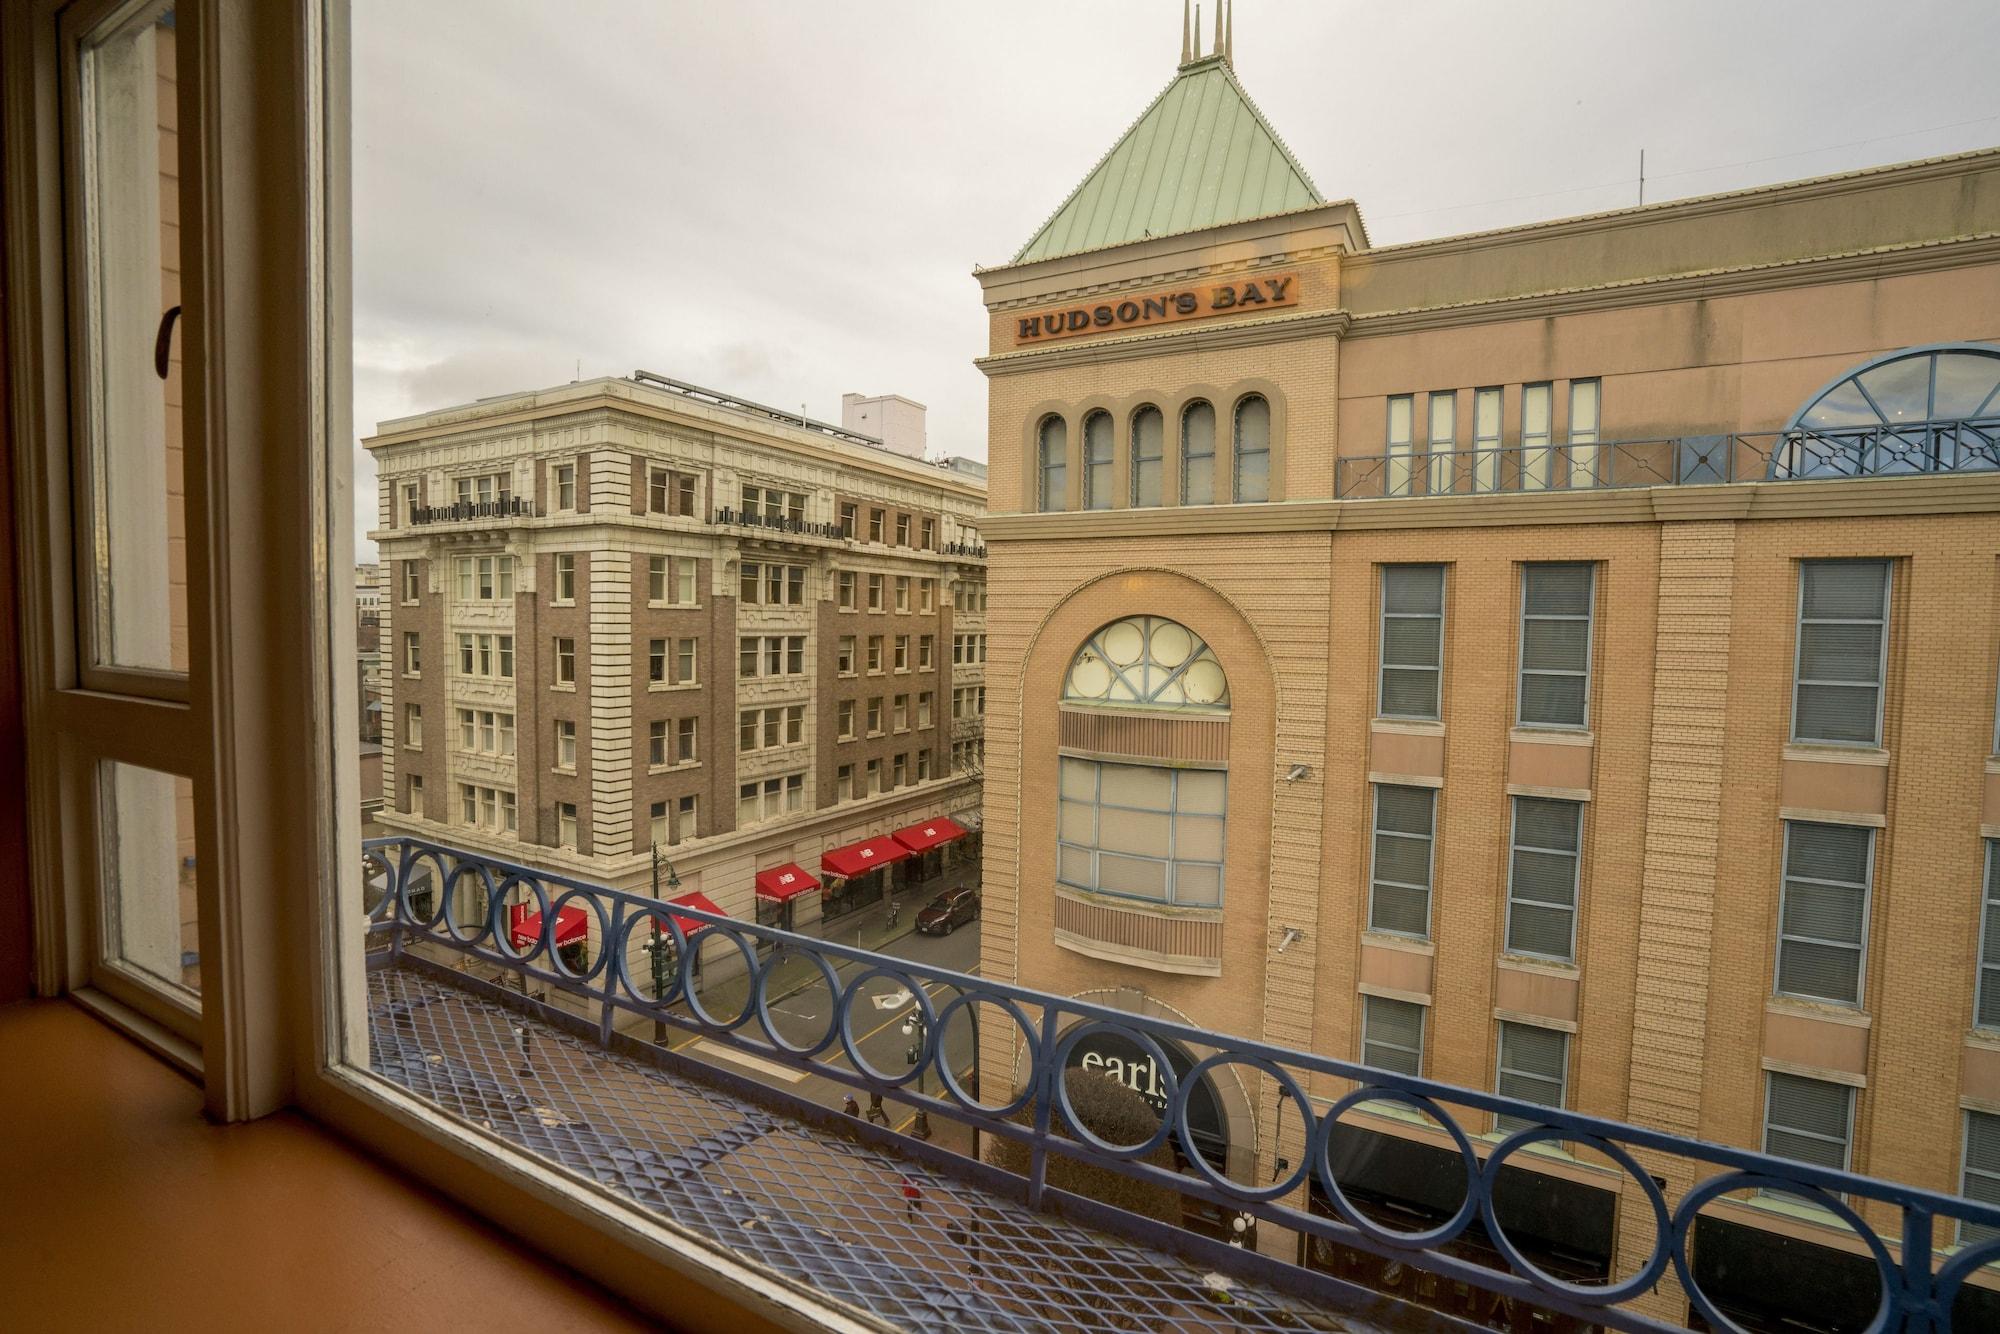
point(1229, 37)
point(1187, 53)
point(1218, 28)
point(1196, 53)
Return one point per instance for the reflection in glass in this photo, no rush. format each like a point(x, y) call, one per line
point(135, 525)
point(146, 859)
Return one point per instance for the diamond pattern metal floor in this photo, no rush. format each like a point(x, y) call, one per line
point(811, 1206)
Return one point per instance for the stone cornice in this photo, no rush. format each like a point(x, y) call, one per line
point(1205, 338)
point(1957, 493)
point(1917, 257)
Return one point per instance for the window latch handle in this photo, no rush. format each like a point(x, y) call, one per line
point(164, 342)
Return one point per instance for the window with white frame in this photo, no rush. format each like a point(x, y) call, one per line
point(1399, 882)
point(1486, 441)
point(686, 593)
point(1198, 453)
point(565, 744)
point(566, 824)
point(687, 659)
point(412, 581)
point(1146, 662)
point(875, 592)
point(1584, 466)
point(1986, 1013)
point(565, 474)
point(1981, 1178)
point(1823, 912)
point(657, 827)
point(565, 566)
point(656, 578)
point(685, 810)
point(413, 726)
point(565, 656)
point(1392, 1035)
point(1051, 466)
point(1442, 438)
point(1148, 456)
point(1097, 461)
point(1556, 602)
point(1533, 1066)
point(1141, 831)
point(844, 715)
point(1843, 640)
point(1251, 470)
point(1537, 426)
point(656, 661)
point(485, 578)
point(1542, 874)
point(1808, 1120)
point(687, 741)
point(413, 660)
point(656, 743)
point(902, 593)
point(1412, 646)
point(1399, 444)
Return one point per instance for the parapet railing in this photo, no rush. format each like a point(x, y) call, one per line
point(460, 511)
point(1690, 460)
point(421, 893)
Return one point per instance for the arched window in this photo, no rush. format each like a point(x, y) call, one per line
point(1137, 829)
point(1097, 461)
point(1253, 449)
point(1052, 463)
point(1148, 453)
point(1926, 409)
point(1147, 662)
point(1198, 454)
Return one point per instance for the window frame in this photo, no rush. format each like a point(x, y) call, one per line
point(1881, 682)
point(1521, 669)
point(1771, 1078)
point(1514, 848)
point(1368, 1003)
point(269, 733)
point(1382, 663)
point(1169, 898)
point(1989, 895)
point(1430, 859)
point(1781, 936)
point(1501, 1121)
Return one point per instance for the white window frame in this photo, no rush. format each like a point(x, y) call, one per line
point(1799, 648)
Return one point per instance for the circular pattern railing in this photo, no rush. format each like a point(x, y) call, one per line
point(421, 893)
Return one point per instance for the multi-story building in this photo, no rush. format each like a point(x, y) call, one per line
point(632, 614)
point(1559, 661)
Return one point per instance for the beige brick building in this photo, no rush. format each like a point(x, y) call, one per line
point(1609, 611)
point(629, 613)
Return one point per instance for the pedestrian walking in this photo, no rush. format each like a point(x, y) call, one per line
point(913, 1198)
point(851, 1107)
point(876, 1112)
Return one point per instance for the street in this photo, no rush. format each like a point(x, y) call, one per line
point(803, 1016)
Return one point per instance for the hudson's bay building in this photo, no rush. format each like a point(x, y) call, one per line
point(1559, 660)
point(631, 613)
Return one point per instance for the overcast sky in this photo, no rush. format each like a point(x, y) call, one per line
point(785, 200)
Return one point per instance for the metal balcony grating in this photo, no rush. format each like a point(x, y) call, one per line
point(816, 1207)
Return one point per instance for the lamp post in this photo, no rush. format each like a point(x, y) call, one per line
point(914, 1029)
point(657, 946)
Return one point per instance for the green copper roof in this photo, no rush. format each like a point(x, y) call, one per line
point(1202, 155)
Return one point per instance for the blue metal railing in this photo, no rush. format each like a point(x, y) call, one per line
point(1555, 464)
point(413, 886)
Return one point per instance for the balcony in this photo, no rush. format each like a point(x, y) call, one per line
point(760, 1151)
point(1915, 449)
point(472, 511)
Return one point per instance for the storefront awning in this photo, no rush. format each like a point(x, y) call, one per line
point(861, 858)
point(783, 882)
point(525, 925)
point(691, 926)
point(928, 834)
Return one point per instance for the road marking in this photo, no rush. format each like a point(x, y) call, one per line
point(772, 1068)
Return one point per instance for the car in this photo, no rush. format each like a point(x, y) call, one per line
point(948, 911)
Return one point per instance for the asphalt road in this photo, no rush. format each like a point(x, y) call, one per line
point(879, 1009)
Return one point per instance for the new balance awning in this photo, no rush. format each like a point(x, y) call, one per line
point(691, 926)
point(783, 882)
point(861, 858)
point(525, 924)
point(927, 835)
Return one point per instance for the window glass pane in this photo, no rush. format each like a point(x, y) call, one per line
point(1253, 450)
point(1197, 886)
point(1198, 455)
point(1079, 780)
point(146, 851)
point(1136, 785)
point(1841, 406)
point(1981, 1181)
point(1844, 589)
point(1148, 449)
point(1197, 838)
point(1201, 792)
point(1131, 875)
point(1392, 1034)
point(1901, 389)
point(1413, 589)
point(1807, 1120)
point(135, 520)
point(1966, 385)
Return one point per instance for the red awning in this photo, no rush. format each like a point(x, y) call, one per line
point(861, 858)
point(927, 835)
point(572, 924)
point(691, 926)
point(782, 882)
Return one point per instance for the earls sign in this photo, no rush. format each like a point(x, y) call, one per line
point(1110, 1053)
point(1248, 295)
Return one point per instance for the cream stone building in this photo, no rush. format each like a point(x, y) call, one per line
point(1559, 660)
point(628, 614)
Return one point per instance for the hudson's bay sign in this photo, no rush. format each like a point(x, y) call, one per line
point(1193, 302)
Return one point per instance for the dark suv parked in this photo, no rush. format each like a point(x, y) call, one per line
point(948, 911)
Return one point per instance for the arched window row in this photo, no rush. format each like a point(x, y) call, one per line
point(1184, 461)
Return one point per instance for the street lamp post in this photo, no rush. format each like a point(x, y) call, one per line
point(914, 1028)
point(657, 946)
